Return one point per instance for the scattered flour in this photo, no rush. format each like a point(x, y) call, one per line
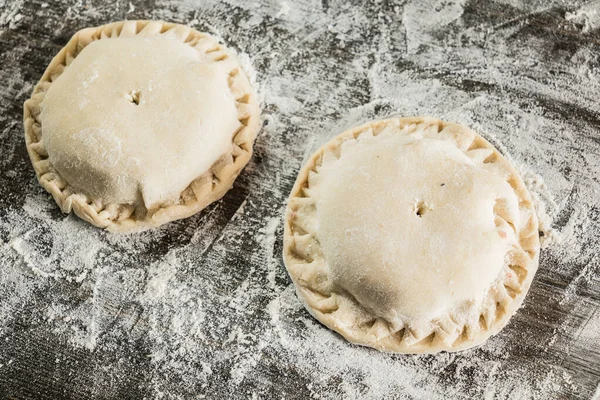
point(208, 301)
point(588, 15)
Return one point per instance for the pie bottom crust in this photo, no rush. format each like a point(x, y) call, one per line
point(340, 311)
point(201, 192)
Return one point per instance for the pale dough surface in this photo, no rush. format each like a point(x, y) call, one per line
point(138, 123)
point(408, 235)
point(115, 150)
point(407, 225)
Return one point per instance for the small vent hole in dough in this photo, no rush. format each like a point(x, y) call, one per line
point(420, 208)
point(133, 97)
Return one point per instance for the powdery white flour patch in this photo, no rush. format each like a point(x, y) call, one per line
point(588, 15)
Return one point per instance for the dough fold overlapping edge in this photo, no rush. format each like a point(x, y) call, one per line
point(205, 189)
point(339, 310)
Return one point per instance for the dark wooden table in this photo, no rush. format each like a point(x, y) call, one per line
point(203, 308)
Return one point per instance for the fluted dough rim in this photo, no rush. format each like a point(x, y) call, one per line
point(202, 191)
point(340, 311)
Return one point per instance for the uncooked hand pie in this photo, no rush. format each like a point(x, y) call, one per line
point(138, 123)
point(411, 235)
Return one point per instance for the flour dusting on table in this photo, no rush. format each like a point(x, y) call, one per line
point(204, 307)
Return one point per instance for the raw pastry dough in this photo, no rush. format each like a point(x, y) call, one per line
point(137, 123)
point(411, 235)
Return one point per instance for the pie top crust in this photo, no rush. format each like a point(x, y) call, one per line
point(151, 123)
point(411, 235)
